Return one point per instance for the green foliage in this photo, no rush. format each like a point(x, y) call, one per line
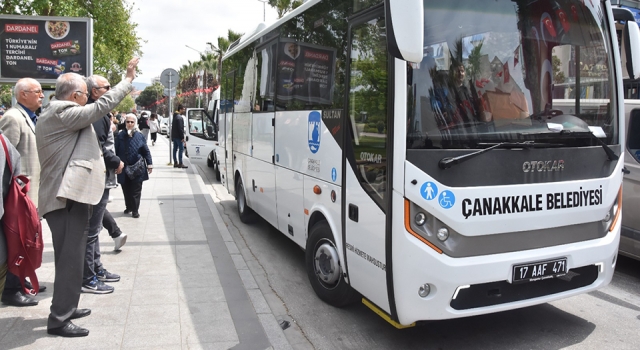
point(127, 104)
point(114, 36)
point(558, 75)
point(150, 95)
point(5, 95)
point(284, 6)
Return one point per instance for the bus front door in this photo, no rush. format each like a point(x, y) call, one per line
point(367, 170)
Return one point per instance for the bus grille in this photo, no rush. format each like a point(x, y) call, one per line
point(502, 292)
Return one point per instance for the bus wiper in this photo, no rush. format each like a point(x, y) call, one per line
point(610, 154)
point(448, 162)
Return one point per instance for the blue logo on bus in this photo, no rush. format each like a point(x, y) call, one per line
point(334, 174)
point(447, 199)
point(429, 190)
point(315, 128)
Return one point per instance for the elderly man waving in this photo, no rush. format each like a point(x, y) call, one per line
point(71, 182)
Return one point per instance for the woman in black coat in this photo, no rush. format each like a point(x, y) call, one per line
point(131, 146)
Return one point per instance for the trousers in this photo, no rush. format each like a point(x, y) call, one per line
point(178, 148)
point(132, 191)
point(92, 262)
point(69, 227)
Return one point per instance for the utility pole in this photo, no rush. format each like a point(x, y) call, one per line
point(264, 10)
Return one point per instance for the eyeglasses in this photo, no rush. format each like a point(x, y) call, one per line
point(37, 92)
point(130, 122)
point(106, 87)
point(84, 93)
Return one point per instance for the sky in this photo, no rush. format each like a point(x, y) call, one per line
point(169, 25)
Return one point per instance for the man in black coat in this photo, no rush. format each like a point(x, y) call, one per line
point(95, 274)
point(177, 136)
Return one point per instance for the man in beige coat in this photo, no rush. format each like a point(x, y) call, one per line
point(18, 125)
point(71, 182)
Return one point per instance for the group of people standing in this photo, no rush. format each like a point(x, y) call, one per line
point(74, 155)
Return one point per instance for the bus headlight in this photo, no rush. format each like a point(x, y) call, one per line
point(611, 218)
point(421, 219)
point(443, 234)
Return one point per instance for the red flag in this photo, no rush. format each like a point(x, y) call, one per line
point(563, 20)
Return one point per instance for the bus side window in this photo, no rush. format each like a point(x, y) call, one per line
point(633, 134)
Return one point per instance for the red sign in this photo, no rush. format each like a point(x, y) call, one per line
point(46, 61)
point(21, 28)
point(61, 45)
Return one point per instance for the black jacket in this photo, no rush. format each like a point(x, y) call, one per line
point(102, 128)
point(143, 122)
point(177, 127)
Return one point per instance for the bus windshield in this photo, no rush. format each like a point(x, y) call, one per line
point(512, 70)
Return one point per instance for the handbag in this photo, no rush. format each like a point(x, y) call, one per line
point(137, 169)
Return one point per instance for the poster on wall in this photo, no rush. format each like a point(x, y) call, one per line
point(44, 47)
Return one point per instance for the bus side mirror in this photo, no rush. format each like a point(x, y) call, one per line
point(210, 129)
point(405, 29)
point(631, 48)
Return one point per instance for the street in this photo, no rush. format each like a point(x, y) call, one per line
point(608, 318)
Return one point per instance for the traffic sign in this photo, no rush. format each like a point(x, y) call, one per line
point(173, 92)
point(169, 78)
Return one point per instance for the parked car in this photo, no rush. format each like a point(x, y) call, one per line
point(164, 125)
point(630, 235)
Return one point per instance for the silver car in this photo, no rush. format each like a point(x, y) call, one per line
point(630, 237)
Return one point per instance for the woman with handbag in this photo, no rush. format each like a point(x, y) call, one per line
point(131, 147)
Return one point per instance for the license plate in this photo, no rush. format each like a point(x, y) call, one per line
point(539, 270)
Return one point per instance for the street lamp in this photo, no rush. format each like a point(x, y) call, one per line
point(264, 10)
point(198, 51)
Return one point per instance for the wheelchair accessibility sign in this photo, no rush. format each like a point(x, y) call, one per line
point(447, 199)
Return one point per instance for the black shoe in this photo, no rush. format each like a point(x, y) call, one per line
point(80, 313)
point(176, 165)
point(30, 286)
point(69, 330)
point(127, 211)
point(182, 166)
point(18, 299)
point(135, 214)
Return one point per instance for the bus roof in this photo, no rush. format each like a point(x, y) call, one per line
point(263, 28)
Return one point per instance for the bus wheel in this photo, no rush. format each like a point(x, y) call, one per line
point(216, 169)
point(210, 162)
point(247, 215)
point(324, 268)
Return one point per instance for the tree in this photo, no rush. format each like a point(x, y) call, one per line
point(284, 6)
point(223, 47)
point(150, 95)
point(126, 105)
point(558, 74)
point(5, 95)
point(114, 36)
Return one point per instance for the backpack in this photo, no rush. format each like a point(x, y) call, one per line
point(22, 229)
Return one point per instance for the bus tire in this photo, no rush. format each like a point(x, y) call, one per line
point(247, 215)
point(216, 169)
point(210, 162)
point(324, 268)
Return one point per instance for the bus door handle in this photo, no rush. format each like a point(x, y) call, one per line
point(253, 184)
point(626, 171)
point(353, 212)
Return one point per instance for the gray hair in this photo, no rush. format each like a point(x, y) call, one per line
point(92, 83)
point(67, 84)
point(23, 85)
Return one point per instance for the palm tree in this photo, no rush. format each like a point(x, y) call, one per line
point(223, 47)
point(284, 6)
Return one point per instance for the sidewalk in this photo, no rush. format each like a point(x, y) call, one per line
point(184, 283)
